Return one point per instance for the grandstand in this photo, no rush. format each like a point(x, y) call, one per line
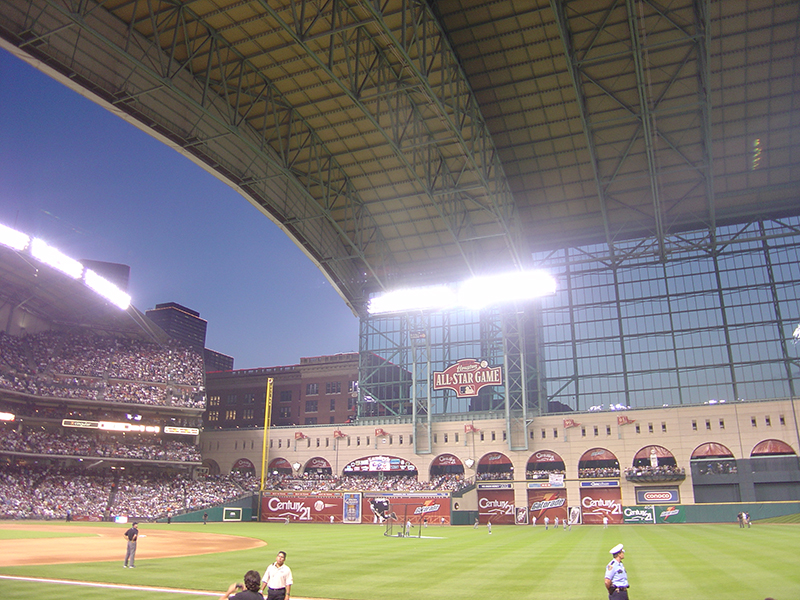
point(103, 415)
point(644, 155)
point(101, 410)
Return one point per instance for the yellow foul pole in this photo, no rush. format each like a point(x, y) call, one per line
point(267, 419)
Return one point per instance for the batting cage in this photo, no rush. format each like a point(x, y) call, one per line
point(403, 520)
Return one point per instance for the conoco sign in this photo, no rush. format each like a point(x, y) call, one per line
point(467, 377)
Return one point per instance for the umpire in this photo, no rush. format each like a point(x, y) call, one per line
point(132, 534)
point(616, 578)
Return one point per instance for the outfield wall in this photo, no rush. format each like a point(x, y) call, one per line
point(726, 513)
point(374, 507)
point(234, 511)
point(355, 507)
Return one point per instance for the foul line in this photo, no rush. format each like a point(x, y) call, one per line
point(119, 586)
point(143, 588)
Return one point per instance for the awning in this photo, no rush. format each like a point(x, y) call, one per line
point(597, 454)
point(317, 463)
point(773, 448)
point(711, 450)
point(647, 452)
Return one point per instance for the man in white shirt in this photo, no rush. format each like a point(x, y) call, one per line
point(278, 579)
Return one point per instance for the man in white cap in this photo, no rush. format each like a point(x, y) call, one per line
point(616, 579)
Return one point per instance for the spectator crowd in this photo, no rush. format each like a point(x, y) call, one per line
point(39, 441)
point(655, 472)
point(31, 492)
point(77, 365)
point(365, 483)
point(597, 472)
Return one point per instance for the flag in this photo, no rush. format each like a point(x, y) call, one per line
point(624, 420)
point(470, 428)
point(339, 434)
point(379, 432)
point(299, 435)
point(570, 423)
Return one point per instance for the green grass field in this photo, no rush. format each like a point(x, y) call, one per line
point(356, 562)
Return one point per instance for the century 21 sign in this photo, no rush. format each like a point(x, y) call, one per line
point(467, 377)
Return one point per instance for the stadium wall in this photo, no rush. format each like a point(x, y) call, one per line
point(680, 430)
point(19, 322)
point(726, 513)
point(236, 510)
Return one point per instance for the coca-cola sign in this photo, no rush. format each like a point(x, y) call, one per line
point(467, 377)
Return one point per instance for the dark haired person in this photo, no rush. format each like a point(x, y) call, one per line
point(133, 535)
point(616, 578)
point(278, 579)
point(246, 591)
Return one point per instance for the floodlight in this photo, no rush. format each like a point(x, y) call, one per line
point(106, 289)
point(473, 294)
point(506, 287)
point(4, 416)
point(424, 298)
point(13, 239)
point(56, 259)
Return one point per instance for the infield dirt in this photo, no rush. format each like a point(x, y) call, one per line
point(104, 544)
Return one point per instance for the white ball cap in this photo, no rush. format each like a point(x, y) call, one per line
point(617, 548)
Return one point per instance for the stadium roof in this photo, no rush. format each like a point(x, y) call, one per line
point(35, 288)
point(403, 142)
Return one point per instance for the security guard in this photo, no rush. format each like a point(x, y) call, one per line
point(616, 579)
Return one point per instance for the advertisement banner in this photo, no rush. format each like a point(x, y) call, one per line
point(550, 503)
point(542, 484)
point(497, 506)
point(601, 502)
point(639, 514)
point(467, 377)
point(670, 514)
point(295, 507)
point(495, 486)
point(659, 495)
point(432, 508)
point(600, 483)
point(352, 507)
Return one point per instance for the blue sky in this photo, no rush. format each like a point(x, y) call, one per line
point(98, 188)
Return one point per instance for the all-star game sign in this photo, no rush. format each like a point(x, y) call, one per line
point(467, 377)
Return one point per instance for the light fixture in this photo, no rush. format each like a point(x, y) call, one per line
point(473, 294)
point(56, 259)
point(13, 239)
point(106, 289)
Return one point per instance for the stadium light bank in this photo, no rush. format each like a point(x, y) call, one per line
point(473, 294)
point(41, 251)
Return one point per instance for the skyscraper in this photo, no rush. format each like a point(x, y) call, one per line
point(180, 323)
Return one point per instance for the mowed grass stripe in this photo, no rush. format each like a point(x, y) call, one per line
point(703, 562)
